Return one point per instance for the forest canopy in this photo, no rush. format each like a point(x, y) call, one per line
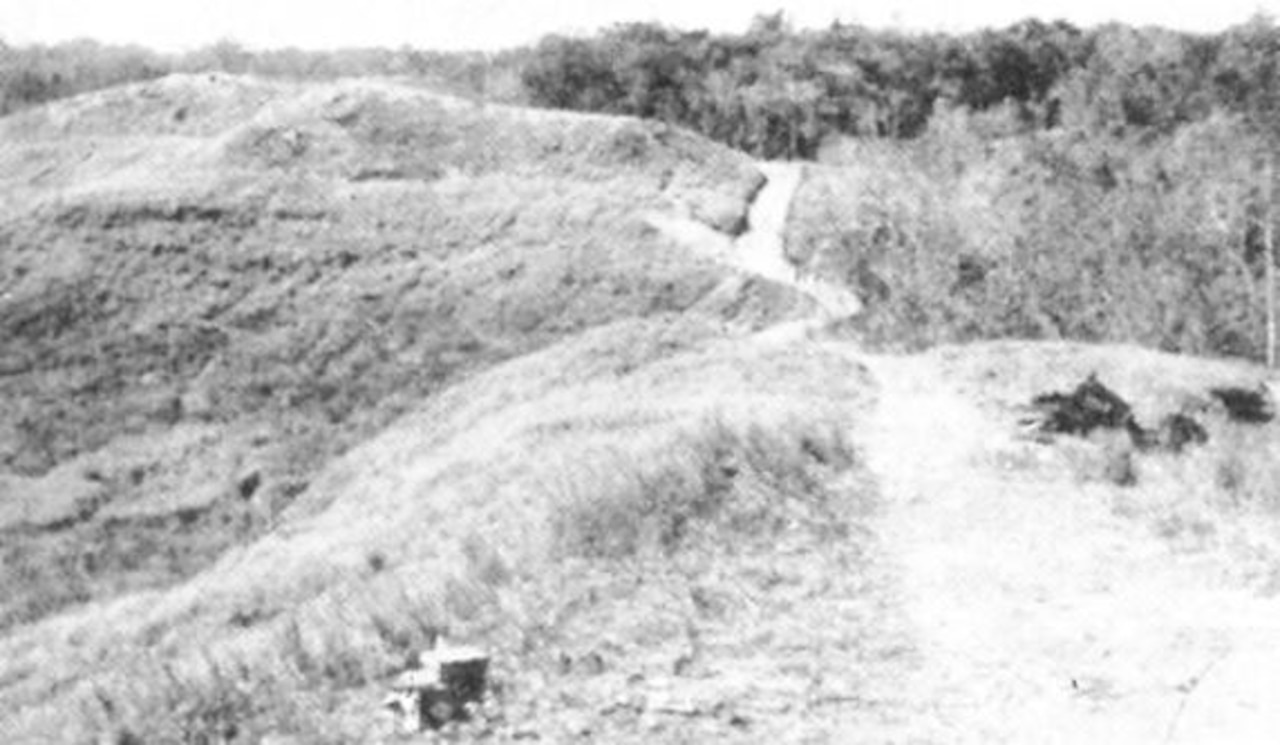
point(779, 93)
point(772, 90)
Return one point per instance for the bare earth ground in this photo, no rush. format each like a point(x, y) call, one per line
point(1040, 615)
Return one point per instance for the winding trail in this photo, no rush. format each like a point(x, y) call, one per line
point(761, 250)
point(1036, 614)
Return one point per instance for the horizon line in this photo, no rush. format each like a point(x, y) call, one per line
point(579, 33)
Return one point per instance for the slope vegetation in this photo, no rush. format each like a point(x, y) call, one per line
point(366, 366)
point(210, 286)
point(593, 511)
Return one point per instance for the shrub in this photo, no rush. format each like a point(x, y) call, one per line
point(1060, 234)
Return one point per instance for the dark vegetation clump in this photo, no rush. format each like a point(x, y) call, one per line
point(1092, 406)
point(1251, 406)
point(1089, 407)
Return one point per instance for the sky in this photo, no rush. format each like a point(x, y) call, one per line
point(173, 25)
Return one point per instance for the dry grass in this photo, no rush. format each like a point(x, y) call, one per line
point(287, 269)
point(611, 527)
point(1222, 498)
point(1104, 457)
point(471, 514)
point(1219, 499)
point(733, 485)
point(966, 234)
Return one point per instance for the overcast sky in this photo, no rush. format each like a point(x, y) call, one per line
point(490, 24)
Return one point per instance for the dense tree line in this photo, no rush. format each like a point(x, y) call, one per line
point(35, 74)
point(777, 92)
point(772, 90)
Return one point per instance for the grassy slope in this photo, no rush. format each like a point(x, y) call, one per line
point(650, 556)
point(211, 286)
point(554, 507)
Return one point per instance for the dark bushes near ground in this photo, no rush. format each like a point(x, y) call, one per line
point(1091, 406)
point(1253, 406)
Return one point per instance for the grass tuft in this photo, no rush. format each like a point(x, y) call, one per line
point(715, 482)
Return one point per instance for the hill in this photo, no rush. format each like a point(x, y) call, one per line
point(210, 286)
point(555, 505)
point(302, 377)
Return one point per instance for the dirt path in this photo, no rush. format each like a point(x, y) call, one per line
point(1039, 615)
point(761, 250)
point(1034, 613)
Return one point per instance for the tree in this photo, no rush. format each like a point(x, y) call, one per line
point(658, 71)
point(570, 73)
point(1248, 79)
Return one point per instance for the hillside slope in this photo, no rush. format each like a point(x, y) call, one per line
point(825, 544)
point(530, 395)
point(210, 286)
point(594, 512)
